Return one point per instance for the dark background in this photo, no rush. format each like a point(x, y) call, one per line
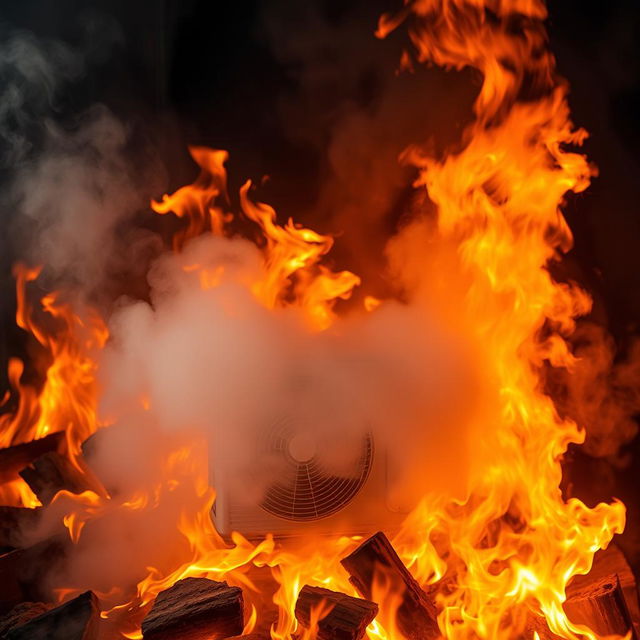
point(214, 73)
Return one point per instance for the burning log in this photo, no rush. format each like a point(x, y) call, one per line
point(77, 619)
point(605, 599)
point(601, 606)
point(51, 473)
point(375, 557)
point(21, 614)
point(194, 609)
point(347, 617)
point(17, 457)
point(14, 522)
point(605, 562)
point(22, 571)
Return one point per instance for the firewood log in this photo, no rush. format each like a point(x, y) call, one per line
point(23, 571)
point(347, 617)
point(605, 562)
point(601, 606)
point(195, 609)
point(77, 619)
point(51, 473)
point(21, 614)
point(598, 599)
point(17, 457)
point(14, 523)
point(375, 557)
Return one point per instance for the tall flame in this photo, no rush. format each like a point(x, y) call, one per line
point(513, 545)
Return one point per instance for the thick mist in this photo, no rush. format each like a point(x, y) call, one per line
point(217, 361)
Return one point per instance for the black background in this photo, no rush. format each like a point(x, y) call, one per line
point(205, 72)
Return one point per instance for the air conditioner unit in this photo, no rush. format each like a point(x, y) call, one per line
point(303, 494)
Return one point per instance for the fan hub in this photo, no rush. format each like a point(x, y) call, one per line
point(302, 447)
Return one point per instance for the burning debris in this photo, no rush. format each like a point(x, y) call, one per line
point(254, 386)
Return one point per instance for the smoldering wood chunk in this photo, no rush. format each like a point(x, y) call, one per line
point(250, 636)
point(51, 473)
point(605, 562)
point(375, 559)
point(23, 571)
point(77, 619)
point(14, 523)
point(195, 609)
point(21, 614)
point(601, 606)
point(597, 602)
point(347, 617)
point(17, 457)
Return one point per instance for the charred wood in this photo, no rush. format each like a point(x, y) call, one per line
point(77, 619)
point(17, 457)
point(601, 606)
point(51, 473)
point(346, 618)
point(14, 523)
point(605, 562)
point(605, 599)
point(23, 571)
point(375, 559)
point(21, 614)
point(195, 609)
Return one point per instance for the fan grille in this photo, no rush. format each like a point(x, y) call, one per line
point(307, 490)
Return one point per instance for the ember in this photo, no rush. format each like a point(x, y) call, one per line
point(218, 459)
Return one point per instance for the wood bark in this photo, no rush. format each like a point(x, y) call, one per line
point(77, 619)
point(23, 571)
point(14, 523)
point(19, 615)
point(14, 459)
point(605, 599)
point(376, 559)
point(605, 562)
point(51, 473)
point(195, 609)
point(601, 606)
point(347, 617)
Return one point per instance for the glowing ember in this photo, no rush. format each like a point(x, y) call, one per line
point(506, 548)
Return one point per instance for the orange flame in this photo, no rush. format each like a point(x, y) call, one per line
point(68, 345)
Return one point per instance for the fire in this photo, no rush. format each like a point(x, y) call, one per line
point(69, 342)
point(506, 551)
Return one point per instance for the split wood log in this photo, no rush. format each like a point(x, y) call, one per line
point(14, 523)
point(51, 473)
point(77, 619)
point(195, 609)
point(23, 571)
point(601, 606)
point(17, 457)
point(346, 617)
point(21, 614)
point(605, 562)
point(376, 559)
point(604, 599)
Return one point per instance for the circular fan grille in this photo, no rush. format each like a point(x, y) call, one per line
point(307, 490)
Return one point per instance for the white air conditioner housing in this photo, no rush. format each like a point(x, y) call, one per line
point(303, 495)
